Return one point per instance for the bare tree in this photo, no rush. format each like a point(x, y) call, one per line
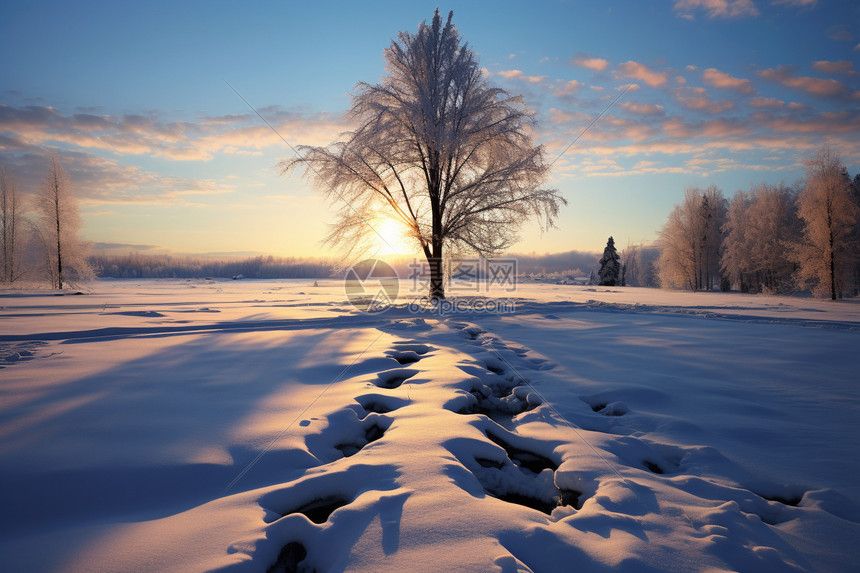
point(826, 254)
point(638, 265)
point(691, 239)
point(437, 149)
point(10, 223)
point(59, 225)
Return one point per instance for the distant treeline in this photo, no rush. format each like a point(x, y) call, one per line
point(567, 262)
point(139, 266)
point(163, 266)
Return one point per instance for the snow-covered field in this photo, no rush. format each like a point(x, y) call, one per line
point(241, 426)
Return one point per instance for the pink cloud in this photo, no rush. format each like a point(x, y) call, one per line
point(179, 141)
point(700, 101)
point(618, 128)
point(641, 72)
point(717, 128)
point(795, 3)
point(839, 33)
point(838, 67)
point(785, 75)
point(718, 79)
point(519, 75)
point(642, 108)
point(766, 102)
point(590, 62)
point(716, 8)
point(568, 88)
point(558, 116)
point(102, 181)
point(825, 123)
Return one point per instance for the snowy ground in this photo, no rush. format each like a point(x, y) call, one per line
point(242, 426)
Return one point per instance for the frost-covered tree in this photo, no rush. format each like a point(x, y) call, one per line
point(610, 265)
point(59, 222)
point(10, 228)
point(691, 239)
point(638, 262)
point(439, 150)
point(855, 196)
point(827, 253)
point(760, 228)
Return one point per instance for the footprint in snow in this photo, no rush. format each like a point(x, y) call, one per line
point(347, 433)
point(318, 498)
point(391, 379)
point(517, 474)
point(404, 357)
point(605, 407)
point(380, 403)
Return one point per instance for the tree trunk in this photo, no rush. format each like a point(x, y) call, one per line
point(437, 276)
point(832, 269)
point(59, 241)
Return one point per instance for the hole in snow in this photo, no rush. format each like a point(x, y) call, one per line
point(610, 409)
point(561, 498)
point(534, 503)
point(380, 403)
point(652, 467)
point(486, 463)
point(793, 500)
point(319, 510)
point(377, 407)
point(500, 403)
point(371, 434)
point(405, 357)
point(289, 559)
point(391, 379)
point(420, 349)
point(524, 459)
point(495, 369)
point(472, 332)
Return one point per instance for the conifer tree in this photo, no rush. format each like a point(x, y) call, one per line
point(610, 265)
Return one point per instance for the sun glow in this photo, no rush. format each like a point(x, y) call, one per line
point(390, 237)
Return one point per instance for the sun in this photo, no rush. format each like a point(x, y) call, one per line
point(390, 237)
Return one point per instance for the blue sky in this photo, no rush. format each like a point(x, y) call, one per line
point(162, 153)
